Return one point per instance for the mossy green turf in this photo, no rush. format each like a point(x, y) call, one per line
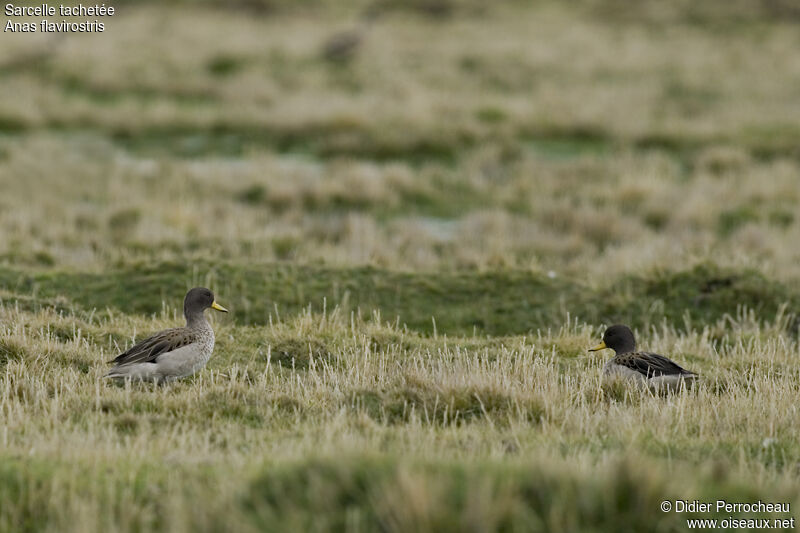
point(496, 303)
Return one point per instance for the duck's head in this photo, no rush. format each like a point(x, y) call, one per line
point(198, 300)
point(619, 338)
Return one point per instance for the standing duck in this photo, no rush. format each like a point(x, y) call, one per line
point(172, 353)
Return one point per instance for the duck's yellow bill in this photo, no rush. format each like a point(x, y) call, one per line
point(601, 346)
point(215, 305)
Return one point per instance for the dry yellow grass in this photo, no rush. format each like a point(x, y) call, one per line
point(81, 448)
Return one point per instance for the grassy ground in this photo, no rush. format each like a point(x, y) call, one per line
point(418, 242)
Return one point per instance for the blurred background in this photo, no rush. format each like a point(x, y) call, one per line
point(590, 138)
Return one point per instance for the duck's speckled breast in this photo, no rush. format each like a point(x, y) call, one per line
point(205, 337)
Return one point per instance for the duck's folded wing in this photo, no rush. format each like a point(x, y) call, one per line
point(148, 350)
point(652, 365)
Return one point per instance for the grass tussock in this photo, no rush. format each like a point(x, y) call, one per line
point(444, 406)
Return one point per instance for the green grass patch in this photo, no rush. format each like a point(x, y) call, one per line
point(559, 144)
point(458, 303)
point(732, 219)
point(11, 351)
point(323, 140)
